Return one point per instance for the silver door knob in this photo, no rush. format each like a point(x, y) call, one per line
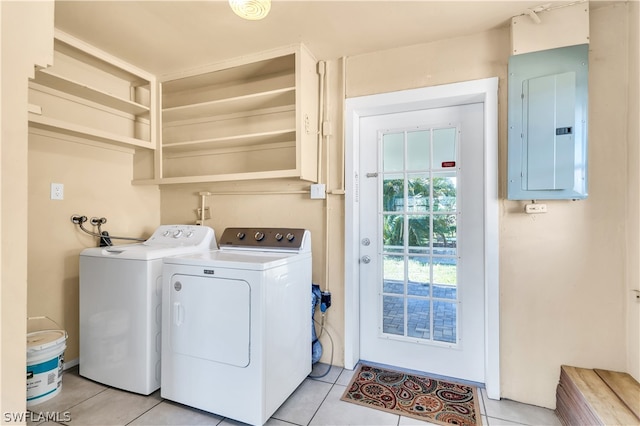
point(365, 259)
point(366, 241)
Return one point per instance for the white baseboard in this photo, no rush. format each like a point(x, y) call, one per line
point(71, 364)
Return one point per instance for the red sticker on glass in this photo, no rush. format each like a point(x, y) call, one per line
point(448, 164)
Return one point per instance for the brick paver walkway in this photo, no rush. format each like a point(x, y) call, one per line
point(418, 311)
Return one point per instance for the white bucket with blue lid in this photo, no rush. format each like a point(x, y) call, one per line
point(45, 358)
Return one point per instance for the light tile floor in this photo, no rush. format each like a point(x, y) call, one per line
point(315, 402)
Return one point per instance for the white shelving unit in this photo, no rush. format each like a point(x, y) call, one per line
point(90, 94)
point(249, 118)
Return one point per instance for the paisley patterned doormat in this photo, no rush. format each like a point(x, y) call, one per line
point(410, 395)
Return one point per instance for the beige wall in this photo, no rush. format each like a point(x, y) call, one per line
point(562, 274)
point(633, 209)
point(97, 182)
point(448, 61)
point(33, 22)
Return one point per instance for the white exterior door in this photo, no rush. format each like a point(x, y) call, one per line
point(422, 278)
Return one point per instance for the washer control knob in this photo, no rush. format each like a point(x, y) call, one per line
point(166, 233)
point(279, 236)
point(189, 234)
point(259, 236)
point(290, 237)
point(177, 234)
point(240, 235)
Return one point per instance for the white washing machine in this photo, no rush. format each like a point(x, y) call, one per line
point(120, 306)
point(236, 323)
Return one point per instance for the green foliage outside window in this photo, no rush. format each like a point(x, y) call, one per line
point(418, 191)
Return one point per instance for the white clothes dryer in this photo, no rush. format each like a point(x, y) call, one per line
point(120, 306)
point(236, 323)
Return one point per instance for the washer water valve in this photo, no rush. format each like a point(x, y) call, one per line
point(95, 221)
point(325, 301)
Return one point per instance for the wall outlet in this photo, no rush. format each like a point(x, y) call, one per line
point(57, 191)
point(535, 208)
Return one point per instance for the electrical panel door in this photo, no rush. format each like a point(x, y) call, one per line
point(547, 157)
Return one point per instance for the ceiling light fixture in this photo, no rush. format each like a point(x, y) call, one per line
point(252, 10)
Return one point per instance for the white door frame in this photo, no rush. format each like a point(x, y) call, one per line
point(484, 91)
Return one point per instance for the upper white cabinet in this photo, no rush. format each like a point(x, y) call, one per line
point(92, 95)
point(249, 118)
point(254, 117)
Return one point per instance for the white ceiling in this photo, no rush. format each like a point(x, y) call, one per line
point(164, 37)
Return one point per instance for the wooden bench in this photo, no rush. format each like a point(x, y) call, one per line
point(597, 397)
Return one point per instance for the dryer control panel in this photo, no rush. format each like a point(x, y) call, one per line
point(265, 238)
point(181, 235)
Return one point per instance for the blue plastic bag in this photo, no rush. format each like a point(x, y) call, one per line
point(316, 347)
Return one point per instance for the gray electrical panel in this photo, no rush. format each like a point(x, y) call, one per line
point(547, 138)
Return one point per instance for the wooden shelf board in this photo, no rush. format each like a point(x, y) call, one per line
point(249, 140)
point(234, 70)
point(76, 130)
point(86, 53)
point(233, 116)
point(279, 97)
point(228, 150)
point(72, 87)
point(271, 174)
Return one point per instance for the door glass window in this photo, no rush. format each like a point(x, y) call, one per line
point(393, 152)
point(444, 146)
point(419, 220)
point(418, 153)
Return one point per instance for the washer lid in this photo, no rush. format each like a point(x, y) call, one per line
point(138, 251)
point(167, 240)
point(238, 259)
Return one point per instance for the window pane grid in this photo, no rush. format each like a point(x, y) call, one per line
point(419, 211)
